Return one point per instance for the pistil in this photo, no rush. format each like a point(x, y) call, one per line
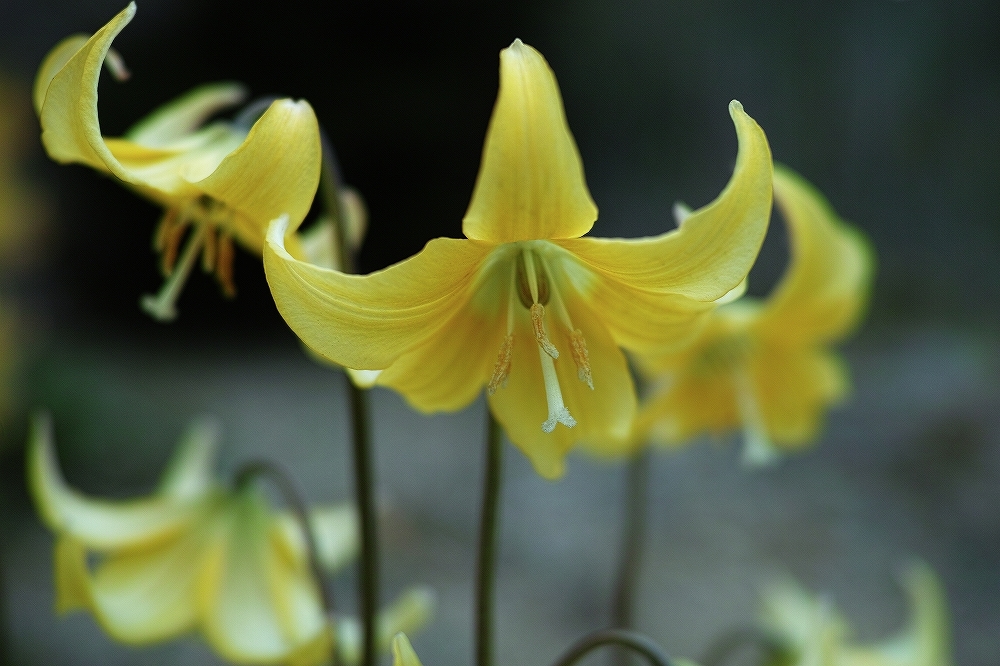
point(553, 395)
point(161, 306)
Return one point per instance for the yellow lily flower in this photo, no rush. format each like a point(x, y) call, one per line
point(767, 366)
point(192, 555)
point(218, 183)
point(506, 306)
point(814, 634)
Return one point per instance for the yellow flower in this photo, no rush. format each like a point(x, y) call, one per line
point(767, 366)
point(198, 555)
point(524, 306)
point(219, 182)
point(814, 634)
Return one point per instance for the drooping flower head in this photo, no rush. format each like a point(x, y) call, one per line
point(524, 306)
point(218, 182)
point(813, 633)
point(767, 366)
point(200, 555)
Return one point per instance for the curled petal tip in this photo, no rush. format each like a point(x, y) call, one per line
point(276, 232)
point(735, 107)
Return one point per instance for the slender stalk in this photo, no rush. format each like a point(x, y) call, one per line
point(489, 524)
point(620, 637)
point(364, 486)
point(293, 498)
point(364, 475)
point(633, 538)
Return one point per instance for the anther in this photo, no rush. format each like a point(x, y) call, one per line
point(225, 253)
point(581, 357)
point(538, 324)
point(208, 252)
point(502, 368)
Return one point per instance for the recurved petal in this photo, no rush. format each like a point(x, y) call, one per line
point(136, 595)
point(256, 604)
point(715, 246)
point(100, 524)
point(276, 169)
point(368, 321)
point(54, 61)
point(530, 183)
point(402, 652)
point(410, 611)
point(177, 119)
point(190, 471)
point(335, 530)
point(71, 131)
point(826, 285)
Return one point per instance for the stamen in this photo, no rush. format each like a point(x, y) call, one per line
point(553, 395)
point(532, 285)
point(502, 368)
point(224, 265)
point(538, 324)
point(163, 231)
point(161, 306)
point(171, 244)
point(582, 358)
point(208, 253)
point(758, 449)
point(116, 66)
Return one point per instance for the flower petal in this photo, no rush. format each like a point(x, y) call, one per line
point(274, 172)
point(335, 529)
point(256, 604)
point(826, 285)
point(530, 183)
point(367, 321)
point(71, 131)
point(410, 611)
point(402, 652)
point(137, 596)
point(176, 120)
point(190, 472)
point(100, 524)
point(676, 272)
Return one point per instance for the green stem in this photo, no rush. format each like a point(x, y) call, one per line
point(364, 486)
point(620, 637)
point(488, 535)
point(633, 536)
point(293, 498)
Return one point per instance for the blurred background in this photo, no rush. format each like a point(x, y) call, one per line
point(887, 106)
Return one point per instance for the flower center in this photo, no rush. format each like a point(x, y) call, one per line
point(534, 287)
point(204, 221)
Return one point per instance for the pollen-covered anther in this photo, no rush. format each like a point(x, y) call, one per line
point(538, 325)
point(225, 253)
point(502, 368)
point(581, 357)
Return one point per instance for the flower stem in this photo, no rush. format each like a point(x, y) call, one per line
point(621, 637)
point(364, 485)
point(633, 537)
point(488, 533)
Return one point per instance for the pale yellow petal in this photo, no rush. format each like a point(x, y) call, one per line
point(100, 524)
point(409, 612)
point(794, 386)
point(530, 183)
point(402, 652)
point(275, 171)
point(826, 285)
point(256, 604)
point(449, 370)
point(71, 131)
point(54, 61)
point(334, 528)
point(709, 255)
point(70, 575)
point(176, 120)
point(368, 321)
point(190, 472)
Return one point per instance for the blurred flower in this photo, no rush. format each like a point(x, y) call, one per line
point(503, 307)
point(218, 182)
point(402, 652)
point(767, 366)
point(196, 554)
point(815, 634)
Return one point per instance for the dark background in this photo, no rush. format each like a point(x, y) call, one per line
point(888, 107)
